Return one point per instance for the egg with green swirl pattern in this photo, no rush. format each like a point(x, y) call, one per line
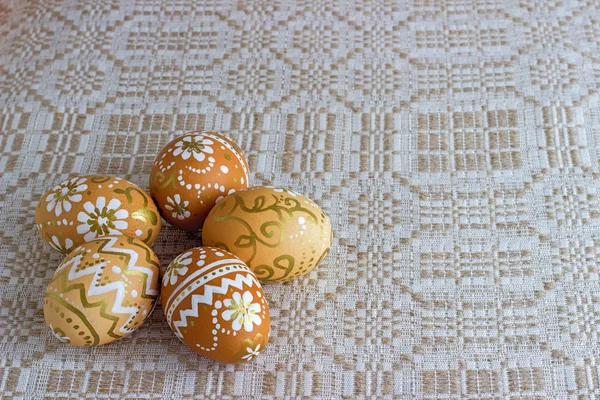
point(278, 233)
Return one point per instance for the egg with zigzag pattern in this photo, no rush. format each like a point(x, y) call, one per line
point(215, 305)
point(102, 291)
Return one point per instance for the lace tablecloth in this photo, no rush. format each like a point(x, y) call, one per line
point(454, 143)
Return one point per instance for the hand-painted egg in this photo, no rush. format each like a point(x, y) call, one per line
point(192, 173)
point(278, 233)
point(215, 305)
point(102, 291)
point(84, 208)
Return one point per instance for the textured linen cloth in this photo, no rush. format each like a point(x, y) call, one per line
point(454, 143)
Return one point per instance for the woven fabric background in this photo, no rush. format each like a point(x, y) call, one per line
point(454, 143)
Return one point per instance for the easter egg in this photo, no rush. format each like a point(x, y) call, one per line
point(192, 173)
point(215, 305)
point(102, 291)
point(278, 233)
point(84, 208)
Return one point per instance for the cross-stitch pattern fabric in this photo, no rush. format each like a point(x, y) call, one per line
point(454, 143)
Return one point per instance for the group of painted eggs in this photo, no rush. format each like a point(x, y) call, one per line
point(211, 296)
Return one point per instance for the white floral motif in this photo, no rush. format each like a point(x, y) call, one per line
point(241, 311)
point(177, 267)
point(178, 207)
point(64, 194)
point(101, 219)
point(251, 353)
point(55, 243)
point(189, 146)
point(64, 339)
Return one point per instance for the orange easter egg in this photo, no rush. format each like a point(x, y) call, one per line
point(215, 305)
point(192, 173)
point(84, 208)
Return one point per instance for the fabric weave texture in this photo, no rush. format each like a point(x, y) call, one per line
point(454, 144)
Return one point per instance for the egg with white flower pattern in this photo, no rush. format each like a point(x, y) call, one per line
point(192, 173)
point(87, 207)
point(215, 305)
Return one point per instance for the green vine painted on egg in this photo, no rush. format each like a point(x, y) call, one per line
point(278, 264)
point(100, 178)
point(270, 234)
point(148, 237)
point(160, 182)
point(221, 245)
point(148, 217)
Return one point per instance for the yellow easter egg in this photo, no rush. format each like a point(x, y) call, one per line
point(102, 291)
point(278, 233)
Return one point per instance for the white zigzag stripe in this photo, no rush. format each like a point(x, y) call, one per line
point(75, 261)
point(170, 309)
point(118, 286)
point(207, 297)
point(198, 283)
point(186, 281)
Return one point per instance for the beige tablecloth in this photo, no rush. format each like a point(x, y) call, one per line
point(454, 143)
